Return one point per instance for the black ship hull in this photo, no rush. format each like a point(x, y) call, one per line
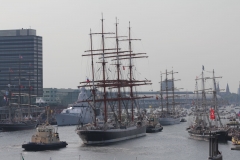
point(151, 129)
point(42, 146)
point(99, 137)
point(222, 135)
point(18, 126)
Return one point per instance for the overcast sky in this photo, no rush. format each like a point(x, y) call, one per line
point(178, 34)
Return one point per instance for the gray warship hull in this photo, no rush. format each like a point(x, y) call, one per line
point(66, 119)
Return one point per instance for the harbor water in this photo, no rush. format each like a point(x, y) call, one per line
point(172, 143)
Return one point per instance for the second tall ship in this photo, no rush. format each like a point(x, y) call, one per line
point(169, 116)
point(112, 84)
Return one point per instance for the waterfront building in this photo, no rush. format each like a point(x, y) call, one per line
point(21, 57)
point(65, 97)
point(57, 97)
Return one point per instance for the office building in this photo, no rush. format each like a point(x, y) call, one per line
point(21, 62)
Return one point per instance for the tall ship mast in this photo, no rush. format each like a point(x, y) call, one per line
point(170, 115)
point(15, 119)
point(110, 91)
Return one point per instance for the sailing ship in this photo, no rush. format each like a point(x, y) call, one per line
point(116, 125)
point(79, 112)
point(207, 119)
point(170, 115)
point(15, 120)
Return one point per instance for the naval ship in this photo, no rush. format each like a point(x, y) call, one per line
point(79, 113)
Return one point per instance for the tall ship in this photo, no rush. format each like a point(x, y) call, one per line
point(169, 116)
point(79, 113)
point(113, 81)
point(206, 115)
point(19, 117)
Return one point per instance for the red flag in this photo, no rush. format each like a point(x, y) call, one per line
point(212, 115)
point(88, 80)
point(20, 57)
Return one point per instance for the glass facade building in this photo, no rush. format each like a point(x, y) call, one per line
point(21, 62)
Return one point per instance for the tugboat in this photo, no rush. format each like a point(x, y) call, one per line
point(153, 125)
point(45, 139)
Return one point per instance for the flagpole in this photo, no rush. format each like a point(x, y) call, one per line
point(9, 95)
point(19, 86)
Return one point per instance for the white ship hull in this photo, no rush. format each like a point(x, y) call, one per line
point(169, 120)
point(66, 119)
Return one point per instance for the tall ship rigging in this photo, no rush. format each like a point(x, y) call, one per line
point(207, 119)
point(16, 120)
point(116, 124)
point(170, 115)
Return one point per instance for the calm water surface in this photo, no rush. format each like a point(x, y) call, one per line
point(172, 143)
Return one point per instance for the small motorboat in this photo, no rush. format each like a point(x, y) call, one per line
point(153, 124)
point(183, 120)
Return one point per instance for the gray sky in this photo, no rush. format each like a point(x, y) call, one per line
point(183, 34)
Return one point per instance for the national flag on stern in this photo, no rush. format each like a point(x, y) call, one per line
point(212, 114)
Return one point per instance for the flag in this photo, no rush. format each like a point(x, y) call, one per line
point(203, 67)
point(212, 115)
point(88, 80)
point(196, 77)
point(156, 97)
point(123, 68)
point(10, 70)
point(20, 57)
point(239, 114)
